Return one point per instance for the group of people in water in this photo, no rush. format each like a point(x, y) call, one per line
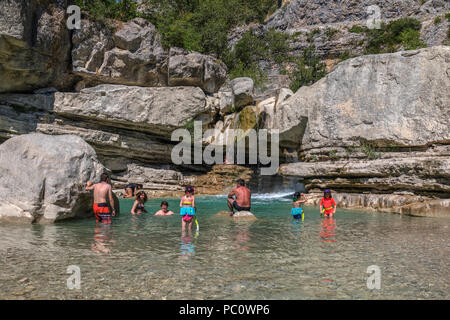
point(238, 199)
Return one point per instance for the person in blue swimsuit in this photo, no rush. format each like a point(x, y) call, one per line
point(297, 205)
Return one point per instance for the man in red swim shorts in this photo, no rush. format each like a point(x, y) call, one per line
point(327, 204)
point(102, 191)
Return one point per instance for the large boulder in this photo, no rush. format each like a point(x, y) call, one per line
point(148, 109)
point(396, 99)
point(195, 69)
point(43, 178)
point(34, 45)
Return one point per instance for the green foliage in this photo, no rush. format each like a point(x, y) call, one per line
point(333, 154)
point(357, 29)
point(199, 25)
point(307, 70)
point(296, 34)
point(402, 32)
point(345, 56)
point(447, 16)
point(437, 20)
point(312, 34)
point(122, 10)
point(277, 45)
point(252, 71)
point(330, 32)
point(189, 126)
point(369, 151)
point(349, 150)
point(203, 26)
point(410, 39)
point(243, 60)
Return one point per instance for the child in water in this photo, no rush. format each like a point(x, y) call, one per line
point(187, 208)
point(297, 203)
point(138, 206)
point(327, 204)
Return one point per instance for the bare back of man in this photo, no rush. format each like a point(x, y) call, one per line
point(102, 193)
point(243, 195)
point(239, 198)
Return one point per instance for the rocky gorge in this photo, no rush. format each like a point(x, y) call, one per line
point(375, 130)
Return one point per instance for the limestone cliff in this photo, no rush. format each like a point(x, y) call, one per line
point(377, 124)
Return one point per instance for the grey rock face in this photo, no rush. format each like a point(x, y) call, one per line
point(34, 45)
point(195, 69)
point(298, 13)
point(419, 174)
point(242, 89)
point(43, 177)
point(130, 53)
point(151, 177)
point(21, 113)
point(395, 98)
point(377, 124)
point(139, 130)
point(116, 148)
point(412, 205)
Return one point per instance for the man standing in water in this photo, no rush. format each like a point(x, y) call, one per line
point(242, 195)
point(102, 191)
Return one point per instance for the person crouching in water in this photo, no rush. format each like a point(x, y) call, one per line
point(138, 206)
point(187, 208)
point(297, 206)
point(327, 204)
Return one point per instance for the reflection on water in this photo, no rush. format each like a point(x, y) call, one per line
point(274, 257)
point(328, 229)
point(188, 242)
point(102, 238)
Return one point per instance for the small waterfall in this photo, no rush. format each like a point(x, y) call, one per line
point(275, 184)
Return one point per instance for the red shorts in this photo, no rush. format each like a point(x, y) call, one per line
point(102, 212)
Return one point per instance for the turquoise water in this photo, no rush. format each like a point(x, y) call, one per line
point(146, 257)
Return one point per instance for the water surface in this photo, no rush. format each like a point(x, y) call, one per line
point(147, 257)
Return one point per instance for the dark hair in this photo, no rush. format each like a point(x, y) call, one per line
point(164, 203)
point(327, 191)
point(139, 194)
point(296, 195)
point(104, 177)
point(140, 186)
point(241, 182)
point(189, 189)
